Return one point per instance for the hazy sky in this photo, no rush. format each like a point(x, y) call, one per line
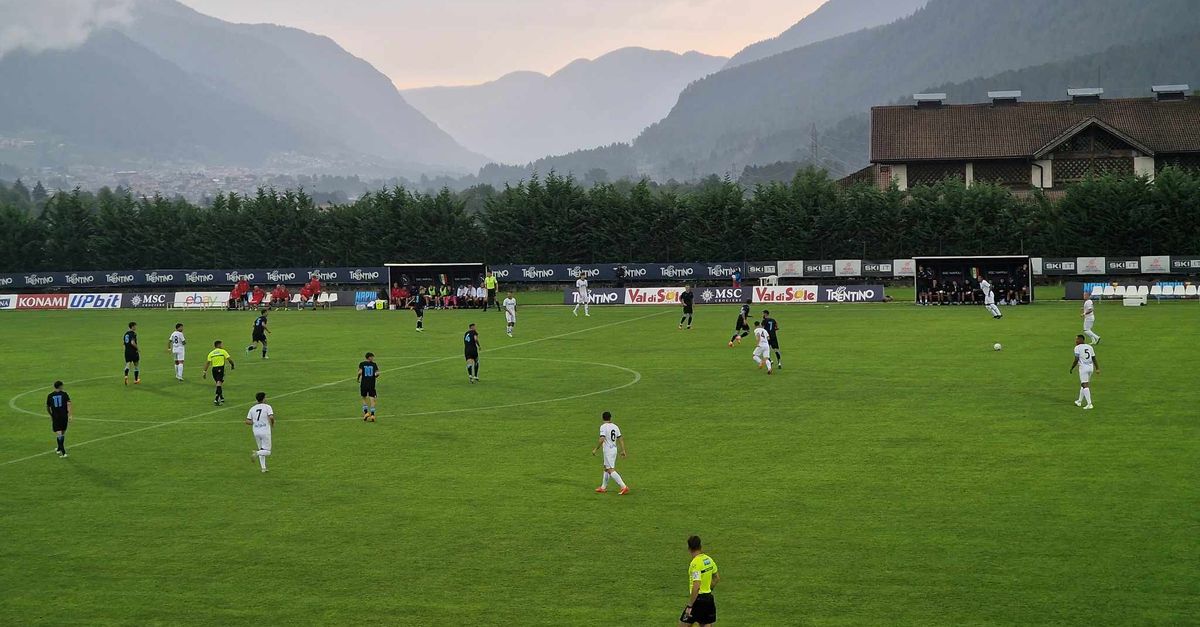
point(458, 42)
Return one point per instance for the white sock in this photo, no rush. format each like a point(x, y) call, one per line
point(1087, 395)
point(576, 309)
point(617, 477)
point(1091, 335)
point(757, 360)
point(768, 364)
point(262, 459)
point(585, 309)
point(1081, 390)
point(604, 480)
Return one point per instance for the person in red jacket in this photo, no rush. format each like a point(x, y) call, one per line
point(235, 297)
point(258, 297)
point(243, 287)
point(396, 297)
point(306, 295)
point(280, 296)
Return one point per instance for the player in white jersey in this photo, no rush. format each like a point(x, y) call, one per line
point(261, 418)
point(510, 313)
point(581, 294)
point(762, 349)
point(610, 435)
point(175, 346)
point(989, 298)
point(1089, 318)
point(1085, 358)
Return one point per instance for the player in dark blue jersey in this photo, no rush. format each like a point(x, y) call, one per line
point(259, 335)
point(772, 327)
point(471, 352)
point(742, 327)
point(58, 405)
point(132, 354)
point(368, 373)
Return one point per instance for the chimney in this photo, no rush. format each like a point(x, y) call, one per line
point(1170, 92)
point(1004, 97)
point(1085, 94)
point(929, 101)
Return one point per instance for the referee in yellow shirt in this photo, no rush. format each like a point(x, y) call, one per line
point(217, 358)
point(490, 284)
point(702, 576)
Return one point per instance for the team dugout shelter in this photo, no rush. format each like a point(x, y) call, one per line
point(418, 275)
point(1003, 271)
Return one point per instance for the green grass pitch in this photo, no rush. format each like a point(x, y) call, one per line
point(896, 471)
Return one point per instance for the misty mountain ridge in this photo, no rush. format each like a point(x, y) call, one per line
point(525, 115)
point(831, 19)
point(301, 96)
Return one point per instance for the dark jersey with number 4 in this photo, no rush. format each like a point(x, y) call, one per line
point(471, 343)
point(130, 341)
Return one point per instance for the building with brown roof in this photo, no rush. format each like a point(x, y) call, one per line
point(1028, 145)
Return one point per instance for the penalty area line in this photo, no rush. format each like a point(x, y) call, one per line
point(320, 386)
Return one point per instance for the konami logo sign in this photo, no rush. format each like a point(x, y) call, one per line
point(42, 301)
point(652, 295)
point(785, 294)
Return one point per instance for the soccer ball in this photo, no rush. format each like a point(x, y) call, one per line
point(996, 346)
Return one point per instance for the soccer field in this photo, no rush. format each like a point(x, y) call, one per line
point(896, 471)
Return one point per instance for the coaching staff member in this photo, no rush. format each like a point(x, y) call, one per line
point(702, 576)
point(58, 405)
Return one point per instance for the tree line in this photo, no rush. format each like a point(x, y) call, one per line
point(555, 219)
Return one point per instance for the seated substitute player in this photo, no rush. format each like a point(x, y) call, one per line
point(1085, 358)
point(702, 578)
point(258, 335)
point(762, 349)
point(175, 345)
point(58, 405)
point(610, 435)
point(217, 358)
point(132, 354)
point(687, 297)
point(471, 352)
point(742, 327)
point(280, 297)
point(510, 313)
point(261, 419)
point(368, 373)
point(772, 327)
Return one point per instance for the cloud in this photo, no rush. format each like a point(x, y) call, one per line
point(38, 25)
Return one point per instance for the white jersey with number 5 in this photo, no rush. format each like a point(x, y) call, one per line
point(581, 286)
point(1085, 354)
point(259, 417)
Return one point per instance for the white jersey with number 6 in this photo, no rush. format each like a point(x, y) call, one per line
point(611, 433)
point(581, 286)
point(1086, 356)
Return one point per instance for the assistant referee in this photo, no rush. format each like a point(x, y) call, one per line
point(702, 576)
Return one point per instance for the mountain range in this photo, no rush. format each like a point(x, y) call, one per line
point(173, 84)
point(522, 116)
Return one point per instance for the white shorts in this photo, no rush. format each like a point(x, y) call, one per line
point(510, 317)
point(263, 439)
point(610, 457)
point(178, 354)
point(990, 299)
point(1087, 323)
point(762, 352)
point(582, 297)
point(1085, 373)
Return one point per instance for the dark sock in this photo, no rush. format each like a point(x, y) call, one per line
point(127, 372)
point(476, 368)
point(469, 373)
point(682, 319)
point(264, 350)
point(60, 439)
point(745, 333)
point(778, 357)
point(136, 375)
point(220, 393)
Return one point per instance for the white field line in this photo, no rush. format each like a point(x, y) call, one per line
point(323, 385)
